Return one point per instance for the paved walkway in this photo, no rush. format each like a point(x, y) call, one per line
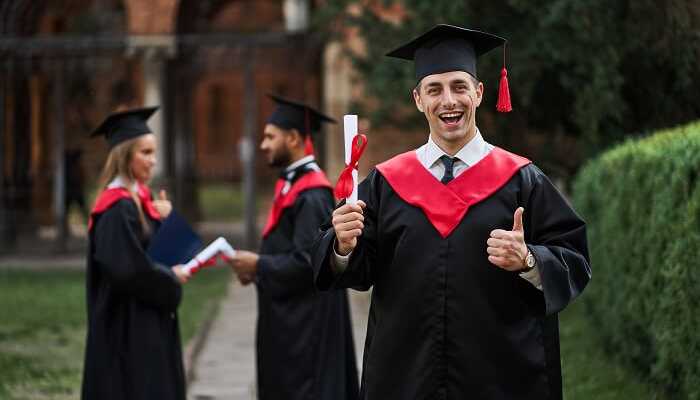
point(225, 367)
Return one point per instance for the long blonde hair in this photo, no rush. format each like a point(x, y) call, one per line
point(118, 164)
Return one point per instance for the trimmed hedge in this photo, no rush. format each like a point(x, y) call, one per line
point(641, 201)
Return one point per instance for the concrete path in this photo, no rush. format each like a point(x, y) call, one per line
point(225, 367)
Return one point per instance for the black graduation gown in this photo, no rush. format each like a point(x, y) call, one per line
point(304, 337)
point(133, 340)
point(444, 322)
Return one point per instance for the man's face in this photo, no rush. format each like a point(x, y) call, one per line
point(275, 146)
point(449, 101)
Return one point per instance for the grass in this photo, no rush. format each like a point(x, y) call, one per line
point(42, 328)
point(224, 201)
point(588, 372)
point(221, 202)
point(42, 334)
point(201, 298)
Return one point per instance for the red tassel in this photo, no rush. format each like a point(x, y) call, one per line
point(308, 145)
point(503, 104)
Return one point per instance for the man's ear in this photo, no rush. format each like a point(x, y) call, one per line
point(479, 93)
point(417, 99)
point(294, 138)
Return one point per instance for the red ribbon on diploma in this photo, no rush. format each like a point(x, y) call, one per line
point(200, 265)
point(345, 185)
point(210, 262)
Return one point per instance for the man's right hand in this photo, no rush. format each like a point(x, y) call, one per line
point(348, 222)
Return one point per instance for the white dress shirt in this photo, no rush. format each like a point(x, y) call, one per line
point(429, 156)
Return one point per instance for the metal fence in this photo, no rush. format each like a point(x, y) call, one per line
point(54, 90)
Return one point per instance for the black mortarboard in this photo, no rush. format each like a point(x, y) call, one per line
point(291, 114)
point(124, 125)
point(448, 48)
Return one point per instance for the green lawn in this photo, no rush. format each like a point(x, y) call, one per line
point(42, 328)
point(224, 201)
point(588, 373)
point(201, 297)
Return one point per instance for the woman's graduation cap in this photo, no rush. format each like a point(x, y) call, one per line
point(124, 125)
point(291, 114)
point(448, 48)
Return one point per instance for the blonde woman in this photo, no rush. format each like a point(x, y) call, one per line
point(133, 342)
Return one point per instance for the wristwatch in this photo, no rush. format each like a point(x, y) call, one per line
point(530, 262)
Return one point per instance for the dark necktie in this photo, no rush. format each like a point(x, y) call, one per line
point(449, 163)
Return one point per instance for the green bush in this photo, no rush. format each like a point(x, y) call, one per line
point(641, 201)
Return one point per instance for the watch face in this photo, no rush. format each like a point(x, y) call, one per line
point(530, 260)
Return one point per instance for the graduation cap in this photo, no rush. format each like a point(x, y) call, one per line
point(124, 125)
point(448, 48)
point(291, 114)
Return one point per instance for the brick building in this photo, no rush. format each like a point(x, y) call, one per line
point(65, 64)
point(208, 63)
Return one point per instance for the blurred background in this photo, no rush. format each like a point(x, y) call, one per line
point(585, 77)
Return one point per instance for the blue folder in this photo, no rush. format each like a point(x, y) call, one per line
point(175, 242)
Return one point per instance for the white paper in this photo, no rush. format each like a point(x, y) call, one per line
point(350, 129)
point(227, 249)
point(220, 245)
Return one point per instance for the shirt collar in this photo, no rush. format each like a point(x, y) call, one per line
point(118, 182)
point(289, 173)
point(470, 153)
point(298, 163)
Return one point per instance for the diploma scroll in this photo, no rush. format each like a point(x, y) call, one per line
point(209, 254)
point(355, 144)
point(350, 130)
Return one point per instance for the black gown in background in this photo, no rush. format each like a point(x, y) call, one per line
point(304, 337)
point(444, 322)
point(133, 341)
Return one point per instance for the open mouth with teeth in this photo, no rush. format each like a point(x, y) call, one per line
point(451, 118)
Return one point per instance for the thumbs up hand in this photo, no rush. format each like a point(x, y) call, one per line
point(507, 249)
point(162, 204)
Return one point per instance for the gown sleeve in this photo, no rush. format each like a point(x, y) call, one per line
point(358, 273)
point(286, 274)
point(125, 264)
point(556, 236)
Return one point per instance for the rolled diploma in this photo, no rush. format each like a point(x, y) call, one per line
point(217, 246)
point(350, 130)
point(227, 250)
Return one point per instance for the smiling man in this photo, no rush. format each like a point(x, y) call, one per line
point(470, 249)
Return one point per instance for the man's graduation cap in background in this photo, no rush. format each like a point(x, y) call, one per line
point(125, 125)
point(291, 114)
point(448, 48)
